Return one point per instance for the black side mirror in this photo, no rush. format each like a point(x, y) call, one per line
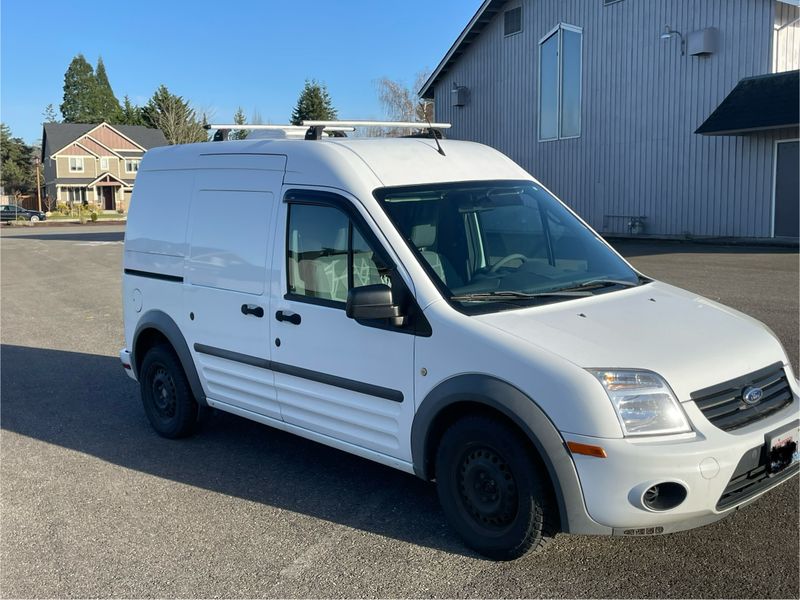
point(371, 302)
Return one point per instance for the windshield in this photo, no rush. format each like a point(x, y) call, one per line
point(491, 244)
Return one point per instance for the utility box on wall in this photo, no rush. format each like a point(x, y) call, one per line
point(703, 42)
point(459, 95)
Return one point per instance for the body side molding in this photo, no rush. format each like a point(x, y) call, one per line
point(523, 411)
point(163, 323)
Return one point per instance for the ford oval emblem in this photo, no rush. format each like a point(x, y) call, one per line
point(752, 395)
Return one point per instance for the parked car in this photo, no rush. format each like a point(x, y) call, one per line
point(444, 314)
point(12, 212)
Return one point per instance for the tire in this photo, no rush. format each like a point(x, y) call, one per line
point(493, 489)
point(34, 219)
point(166, 395)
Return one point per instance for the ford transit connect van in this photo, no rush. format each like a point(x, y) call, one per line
point(442, 313)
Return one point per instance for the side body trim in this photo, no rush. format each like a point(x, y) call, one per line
point(154, 275)
point(163, 323)
point(526, 414)
point(340, 382)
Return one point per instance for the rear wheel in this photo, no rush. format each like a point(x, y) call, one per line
point(166, 395)
point(494, 492)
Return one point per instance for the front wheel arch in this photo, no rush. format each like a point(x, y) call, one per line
point(465, 394)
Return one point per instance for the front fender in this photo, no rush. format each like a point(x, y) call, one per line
point(526, 414)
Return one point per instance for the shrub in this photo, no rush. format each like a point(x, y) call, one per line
point(62, 208)
point(93, 216)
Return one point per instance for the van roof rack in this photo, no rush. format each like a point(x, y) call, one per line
point(313, 130)
point(221, 130)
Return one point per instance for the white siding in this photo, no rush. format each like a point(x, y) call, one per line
point(642, 101)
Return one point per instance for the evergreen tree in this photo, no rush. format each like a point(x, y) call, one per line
point(130, 114)
point(174, 116)
point(239, 119)
point(314, 103)
point(82, 97)
point(108, 106)
point(49, 114)
point(18, 173)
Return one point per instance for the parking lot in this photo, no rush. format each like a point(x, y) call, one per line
point(95, 504)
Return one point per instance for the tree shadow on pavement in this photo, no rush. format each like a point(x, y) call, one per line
point(86, 403)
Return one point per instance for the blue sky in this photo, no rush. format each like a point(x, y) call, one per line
point(220, 55)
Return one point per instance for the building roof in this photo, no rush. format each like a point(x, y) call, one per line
point(482, 18)
point(757, 103)
point(58, 135)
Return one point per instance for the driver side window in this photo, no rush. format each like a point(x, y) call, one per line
point(327, 255)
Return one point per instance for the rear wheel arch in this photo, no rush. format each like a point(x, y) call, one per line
point(156, 327)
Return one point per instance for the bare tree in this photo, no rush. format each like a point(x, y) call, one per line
point(402, 103)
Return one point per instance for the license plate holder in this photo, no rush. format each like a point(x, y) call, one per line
point(782, 448)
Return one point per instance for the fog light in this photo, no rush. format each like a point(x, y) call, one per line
point(663, 496)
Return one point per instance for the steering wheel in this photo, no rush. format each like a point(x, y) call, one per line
point(507, 259)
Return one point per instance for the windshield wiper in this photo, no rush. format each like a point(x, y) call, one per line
point(600, 283)
point(510, 295)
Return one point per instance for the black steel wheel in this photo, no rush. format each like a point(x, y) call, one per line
point(166, 395)
point(493, 489)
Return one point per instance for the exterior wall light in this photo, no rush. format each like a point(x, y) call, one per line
point(671, 33)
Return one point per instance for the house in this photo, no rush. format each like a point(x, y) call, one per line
point(664, 118)
point(94, 162)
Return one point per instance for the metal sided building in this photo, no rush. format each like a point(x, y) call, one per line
point(649, 117)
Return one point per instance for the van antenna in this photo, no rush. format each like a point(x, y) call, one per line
point(435, 135)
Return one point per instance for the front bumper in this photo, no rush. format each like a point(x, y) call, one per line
point(704, 462)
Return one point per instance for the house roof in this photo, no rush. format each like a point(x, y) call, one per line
point(756, 104)
point(482, 18)
point(58, 135)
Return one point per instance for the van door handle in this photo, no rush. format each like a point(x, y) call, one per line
point(287, 316)
point(252, 309)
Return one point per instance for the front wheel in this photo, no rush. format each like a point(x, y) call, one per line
point(34, 219)
point(166, 395)
point(494, 492)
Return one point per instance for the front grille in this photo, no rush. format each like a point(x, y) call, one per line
point(751, 477)
point(724, 406)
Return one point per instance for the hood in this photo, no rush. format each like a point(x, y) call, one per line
point(689, 340)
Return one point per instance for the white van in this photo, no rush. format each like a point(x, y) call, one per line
point(446, 315)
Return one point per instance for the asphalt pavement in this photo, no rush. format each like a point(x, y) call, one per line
point(95, 504)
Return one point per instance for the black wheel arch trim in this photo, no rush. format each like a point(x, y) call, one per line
point(166, 326)
point(525, 413)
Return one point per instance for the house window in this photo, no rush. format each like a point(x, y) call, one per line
point(76, 195)
point(131, 165)
point(560, 68)
point(104, 163)
point(512, 21)
point(76, 164)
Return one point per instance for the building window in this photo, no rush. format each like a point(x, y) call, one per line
point(131, 165)
point(76, 195)
point(76, 164)
point(512, 21)
point(104, 163)
point(560, 68)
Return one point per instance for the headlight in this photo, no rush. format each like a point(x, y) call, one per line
point(643, 401)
